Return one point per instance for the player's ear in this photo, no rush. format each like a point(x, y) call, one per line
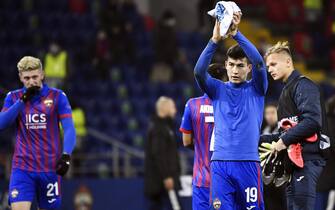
point(42, 74)
point(289, 62)
point(20, 77)
point(249, 67)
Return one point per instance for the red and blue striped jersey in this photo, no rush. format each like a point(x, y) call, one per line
point(198, 120)
point(38, 141)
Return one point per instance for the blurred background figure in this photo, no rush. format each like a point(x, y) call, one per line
point(270, 119)
point(83, 199)
point(56, 66)
point(166, 46)
point(162, 164)
point(79, 120)
point(204, 21)
point(274, 197)
point(102, 56)
point(78, 6)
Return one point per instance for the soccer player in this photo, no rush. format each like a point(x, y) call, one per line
point(197, 127)
point(300, 102)
point(238, 112)
point(38, 161)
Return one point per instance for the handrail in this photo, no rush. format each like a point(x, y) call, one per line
point(115, 143)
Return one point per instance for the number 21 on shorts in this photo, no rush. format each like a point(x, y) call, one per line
point(52, 189)
point(251, 194)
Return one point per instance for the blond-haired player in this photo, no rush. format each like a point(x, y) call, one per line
point(38, 160)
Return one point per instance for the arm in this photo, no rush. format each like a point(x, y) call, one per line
point(204, 80)
point(188, 141)
point(259, 75)
point(307, 99)
point(10, 111)
point(65, 116)
point(69, 135)
point(186, 126)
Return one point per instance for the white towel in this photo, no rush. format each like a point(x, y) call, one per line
point(224, 11)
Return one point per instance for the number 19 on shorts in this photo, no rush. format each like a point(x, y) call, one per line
point(251, 194)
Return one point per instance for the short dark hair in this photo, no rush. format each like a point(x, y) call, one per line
point(271, 103)
point(236, 52)
point(218, 71)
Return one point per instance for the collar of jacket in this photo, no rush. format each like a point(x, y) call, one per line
point(293, 75)
point(165, 120)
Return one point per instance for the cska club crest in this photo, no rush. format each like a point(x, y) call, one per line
point(48, 102)
point(217, 204)
point(14, 193)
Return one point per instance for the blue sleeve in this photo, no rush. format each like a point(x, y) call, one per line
point(259, 75)
point(10, 111)
point(186, 123)
point(65, 115)
point(307, 100)
point(64, 108)
point(208, 84)
point(69, 135)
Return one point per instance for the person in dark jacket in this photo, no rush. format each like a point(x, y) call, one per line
point(300, 102)
point(162, 166)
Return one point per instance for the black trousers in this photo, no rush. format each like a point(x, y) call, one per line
point(301, 192)
point(274, 197)
point(165, 201)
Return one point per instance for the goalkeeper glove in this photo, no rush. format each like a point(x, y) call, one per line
point(63, 164)
point(30, 93)
point(265, 150)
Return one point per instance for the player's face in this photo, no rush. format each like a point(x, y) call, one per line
point(237, 70)
point(32, 78)
point(278, 65)
point(270, 115)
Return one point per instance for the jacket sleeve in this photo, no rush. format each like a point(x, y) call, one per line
point(307, 100)
point(160, 154)
point(268, 138)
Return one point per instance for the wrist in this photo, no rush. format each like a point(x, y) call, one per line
point(282, 142)
point(215, 40)
point(66, 157)
point(234, 33)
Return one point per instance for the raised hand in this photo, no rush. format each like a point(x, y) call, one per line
point(234, 25)
point(30, 93)
point(216, 32)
